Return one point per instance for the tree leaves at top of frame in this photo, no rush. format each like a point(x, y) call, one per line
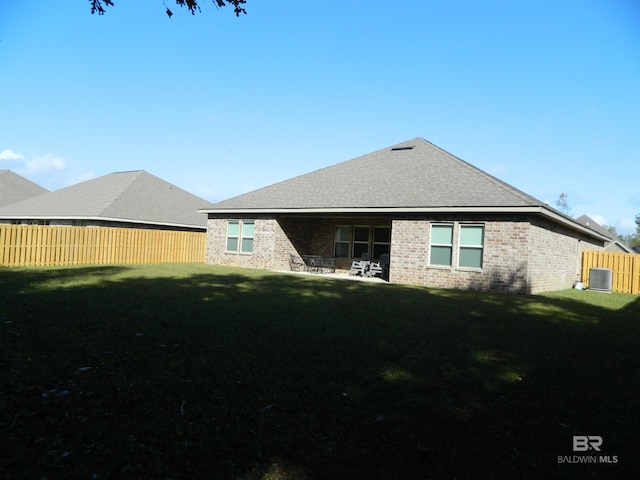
point(98, 6)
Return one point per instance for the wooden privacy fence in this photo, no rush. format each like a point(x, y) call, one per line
point(625, 268)
point(36, 245)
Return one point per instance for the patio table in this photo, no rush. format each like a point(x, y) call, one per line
point(315, 263)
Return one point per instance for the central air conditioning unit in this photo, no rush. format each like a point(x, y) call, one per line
point(600, 279)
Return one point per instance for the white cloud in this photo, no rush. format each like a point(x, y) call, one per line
point(49, 170)
point(46, 163)
point(7, 154)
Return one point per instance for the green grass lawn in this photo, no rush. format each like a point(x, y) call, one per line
point(196, 372)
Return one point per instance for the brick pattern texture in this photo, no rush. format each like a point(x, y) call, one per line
point(523, 255)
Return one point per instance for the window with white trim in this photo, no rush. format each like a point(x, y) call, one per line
point(381, 241)
point(471, 246)
point(246, 238)
point(441, 244)
point(353, 241)
point(361, 238)
point(240, 236)
point(342, 241)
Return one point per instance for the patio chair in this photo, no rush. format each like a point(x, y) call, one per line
point(296, 263)
point(360, 267)
point(377, 269)
point(385, 260)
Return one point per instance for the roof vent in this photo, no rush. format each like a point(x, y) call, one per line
point(395, 149)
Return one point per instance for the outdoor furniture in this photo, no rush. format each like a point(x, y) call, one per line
point(360, 267)
point(375, 270)
point(385, 260)
point(379, 268)
point(296, 263)
point(311, 262)
point(319, 264)
point(329, 264)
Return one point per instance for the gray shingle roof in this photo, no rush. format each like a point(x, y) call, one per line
point(589, 222)
point(136, 197)
point(15, 188)
point(411, 174)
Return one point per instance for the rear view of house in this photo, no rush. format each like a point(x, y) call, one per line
point(443, 222)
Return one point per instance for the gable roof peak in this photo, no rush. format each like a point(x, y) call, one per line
point(15, 188)
point(135, 196)
point(411, 174)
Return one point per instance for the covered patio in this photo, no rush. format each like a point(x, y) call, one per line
point(341, 239)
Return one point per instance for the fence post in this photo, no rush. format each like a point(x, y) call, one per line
point(635, 275)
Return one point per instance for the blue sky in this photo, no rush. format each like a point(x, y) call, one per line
point(545, 95)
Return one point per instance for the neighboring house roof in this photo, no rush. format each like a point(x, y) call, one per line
point(589, 222)
point(413, 176)
point(132, 197)
point(612, 241)
point(15, 188)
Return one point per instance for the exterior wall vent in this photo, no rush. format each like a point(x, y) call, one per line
point(396, 149)
point(600, 279)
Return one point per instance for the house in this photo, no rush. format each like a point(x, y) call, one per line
point(133, 199)
point(444, 222)
point(612, 244)
point(15, 188)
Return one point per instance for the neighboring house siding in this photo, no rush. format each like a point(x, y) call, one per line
point(614, 247)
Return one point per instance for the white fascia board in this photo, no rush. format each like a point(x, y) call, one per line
point(569, 222)
point(395, 210)
point(534, 209)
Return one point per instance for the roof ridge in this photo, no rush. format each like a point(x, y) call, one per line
point(118, 194)
point(410, 182)
point(496, 181)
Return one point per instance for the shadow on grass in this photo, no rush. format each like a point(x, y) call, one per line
point(201, 372)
